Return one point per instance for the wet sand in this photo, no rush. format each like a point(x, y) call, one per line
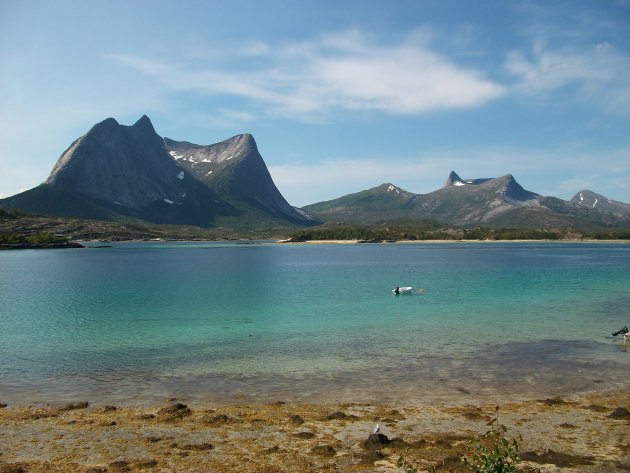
point(558, 434)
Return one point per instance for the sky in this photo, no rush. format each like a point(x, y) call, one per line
point(340, 95)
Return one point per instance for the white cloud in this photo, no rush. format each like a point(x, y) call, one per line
point(346, 71)
point(401, 81)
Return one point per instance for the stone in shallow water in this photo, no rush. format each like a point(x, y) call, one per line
point(620, 413)
point(75, 405)
point(176, 411)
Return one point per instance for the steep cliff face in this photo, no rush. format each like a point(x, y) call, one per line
point(236, 171)
point(126, 170)
point(123, 165)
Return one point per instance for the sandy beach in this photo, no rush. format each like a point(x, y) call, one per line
point(557, 434)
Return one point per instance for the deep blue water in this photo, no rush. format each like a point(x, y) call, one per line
point(141, 322)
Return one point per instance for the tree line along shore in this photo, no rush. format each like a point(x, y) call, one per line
point(22, 230)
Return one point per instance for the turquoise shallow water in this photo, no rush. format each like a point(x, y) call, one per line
point(141, 322)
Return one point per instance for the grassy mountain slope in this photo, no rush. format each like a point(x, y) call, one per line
point(499, 202)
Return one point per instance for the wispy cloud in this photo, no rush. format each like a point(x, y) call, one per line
point(582, 58)
point(356, 71)
point(346, 71)
point(597, 73)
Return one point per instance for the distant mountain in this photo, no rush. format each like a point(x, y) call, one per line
point(464, 202)
point(591, 200)
point(385, 202)
point(235, 170)
point(117, 172)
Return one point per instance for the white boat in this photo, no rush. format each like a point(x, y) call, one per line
point(402, 290)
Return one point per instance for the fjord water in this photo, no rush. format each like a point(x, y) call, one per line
point(224, 322)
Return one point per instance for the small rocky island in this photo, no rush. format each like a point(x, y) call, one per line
point(25, 245)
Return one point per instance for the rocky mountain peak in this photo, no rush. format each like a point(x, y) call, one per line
point(235, 170)
point(593, 200)
point(453, 180)
point(512, 192)
point(144, 125)
point(587, 197)
point(143, 120)
point(107, 123)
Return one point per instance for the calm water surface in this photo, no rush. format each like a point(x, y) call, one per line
point(141, 322)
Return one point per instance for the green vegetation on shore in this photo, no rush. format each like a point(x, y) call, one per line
point(18, 224)
point(16, 235)
point(401, 232)
point(20, 227)
point(37, 238)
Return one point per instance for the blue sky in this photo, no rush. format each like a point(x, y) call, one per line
point(340, 95)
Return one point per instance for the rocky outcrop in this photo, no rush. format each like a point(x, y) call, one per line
point(453, 179)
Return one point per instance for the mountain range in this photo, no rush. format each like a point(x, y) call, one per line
point(493, 202)
point(117, 172)
point(130, 173)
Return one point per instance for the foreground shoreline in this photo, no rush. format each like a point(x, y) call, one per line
point(574, 433)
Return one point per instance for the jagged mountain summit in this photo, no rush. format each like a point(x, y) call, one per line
point(498, 201)
point(235, 170)
point(454, 180)
point(458, 202)
point(117, 172)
